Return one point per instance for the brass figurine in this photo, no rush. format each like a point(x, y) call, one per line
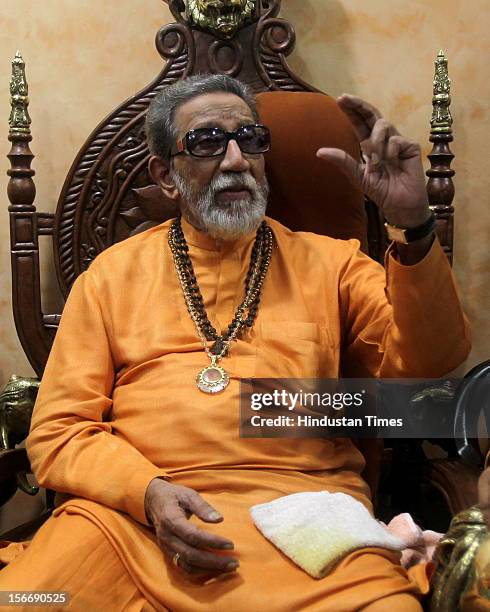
point(441, 393)
point(441, 120)
point(455, 560)
point(481, 584)
point(16, 405)
point(221, 17)
point(19, 119)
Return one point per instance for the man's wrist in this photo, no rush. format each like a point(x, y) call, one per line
point(408, 235)
point(410, 218)
point(148, 496)
point(410, 254)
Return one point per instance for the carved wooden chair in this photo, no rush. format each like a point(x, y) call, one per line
point(108, 196)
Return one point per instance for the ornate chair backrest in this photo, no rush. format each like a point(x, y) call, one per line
point(108, 194)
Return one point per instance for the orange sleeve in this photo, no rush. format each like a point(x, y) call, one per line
point(71, 445)
point(403, 321)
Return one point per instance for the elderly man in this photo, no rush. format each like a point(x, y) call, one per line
point(136, 424)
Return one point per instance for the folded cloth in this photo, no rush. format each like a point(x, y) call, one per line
point(317, 529)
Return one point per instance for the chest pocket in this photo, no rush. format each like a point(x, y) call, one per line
point(291, 349)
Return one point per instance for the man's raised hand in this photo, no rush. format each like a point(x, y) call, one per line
point(168, 507)
point(393, 175)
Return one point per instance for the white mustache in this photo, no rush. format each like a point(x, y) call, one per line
point(233, 181)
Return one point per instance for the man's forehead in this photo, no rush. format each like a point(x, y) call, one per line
point(208, 108)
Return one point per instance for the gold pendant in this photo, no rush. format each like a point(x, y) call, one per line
point(213, 378)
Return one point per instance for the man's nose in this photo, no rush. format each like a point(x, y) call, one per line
point(234, 160)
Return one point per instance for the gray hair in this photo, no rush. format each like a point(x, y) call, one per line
point(160, 126)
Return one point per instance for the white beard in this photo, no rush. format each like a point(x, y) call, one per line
point(224, 221)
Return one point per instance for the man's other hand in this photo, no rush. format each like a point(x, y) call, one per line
point(393, 175)
point(168, 507)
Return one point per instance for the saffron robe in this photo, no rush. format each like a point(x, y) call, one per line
point(119, 406)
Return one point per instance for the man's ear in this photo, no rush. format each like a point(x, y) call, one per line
point(160, 172)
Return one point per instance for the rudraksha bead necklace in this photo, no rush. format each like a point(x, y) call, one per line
point(214, 378)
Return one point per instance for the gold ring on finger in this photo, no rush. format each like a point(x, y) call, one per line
point(175, 559)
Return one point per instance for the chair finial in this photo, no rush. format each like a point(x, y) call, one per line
point(441, 120)
point(19, 119)
point(440, 188)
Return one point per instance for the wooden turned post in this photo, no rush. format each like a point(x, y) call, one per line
point(440, 187)
point(21, 190)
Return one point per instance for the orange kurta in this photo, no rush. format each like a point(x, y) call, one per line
point(119, 406)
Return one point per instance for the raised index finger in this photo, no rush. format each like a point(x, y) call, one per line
point(361, 114)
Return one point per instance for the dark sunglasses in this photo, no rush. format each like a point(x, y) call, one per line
point(213, 141)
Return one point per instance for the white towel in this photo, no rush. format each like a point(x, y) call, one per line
point(317, 529)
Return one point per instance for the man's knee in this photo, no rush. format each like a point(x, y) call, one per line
point(64, 550)
point(401, 601)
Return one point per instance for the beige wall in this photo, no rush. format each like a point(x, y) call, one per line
point(384, 51)
point(84, 57)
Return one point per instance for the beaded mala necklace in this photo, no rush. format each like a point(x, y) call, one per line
point(213, 378)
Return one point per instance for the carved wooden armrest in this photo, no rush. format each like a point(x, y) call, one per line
point(456, 481)
point(13, 461)
point(14, 464)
